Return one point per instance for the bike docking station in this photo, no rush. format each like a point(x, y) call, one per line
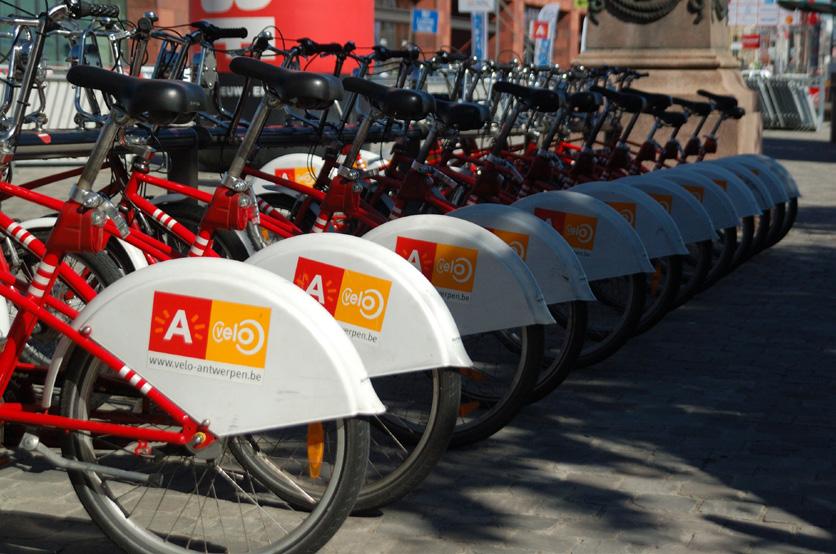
point(308, 339)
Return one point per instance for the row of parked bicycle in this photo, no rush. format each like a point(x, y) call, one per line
point(324, 326)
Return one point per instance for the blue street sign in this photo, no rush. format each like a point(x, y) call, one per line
point(425, 21)
point(479, 35)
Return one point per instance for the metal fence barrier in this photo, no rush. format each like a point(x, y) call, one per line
point(789, 101)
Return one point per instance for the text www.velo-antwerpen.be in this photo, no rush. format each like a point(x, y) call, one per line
point(235, 374)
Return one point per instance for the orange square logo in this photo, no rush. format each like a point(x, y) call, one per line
point(666, 200)
point(577, 229)
point(517, 241)
point(697, 191)
point(300, 175)
point(722, 183)
point(363, 300)
point(627, 210)
point(454, 267)
point(238, 334)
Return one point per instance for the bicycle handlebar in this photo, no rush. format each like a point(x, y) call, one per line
point(212, 33)
point(382, 53)
point(79, 9)
point(309, 47)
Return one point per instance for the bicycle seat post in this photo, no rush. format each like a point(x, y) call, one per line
point(115, 121)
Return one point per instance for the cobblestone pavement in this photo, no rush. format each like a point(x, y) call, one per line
point(713, 432)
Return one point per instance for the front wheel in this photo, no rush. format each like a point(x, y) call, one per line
point(200, 503)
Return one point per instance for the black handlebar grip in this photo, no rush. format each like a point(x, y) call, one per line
point(233, 32)
point(83, 9)
point(310, 47)
point(212, 33)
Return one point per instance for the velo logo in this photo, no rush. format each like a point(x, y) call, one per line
point(211, 330)
point(627, 210)
point(722, 183)
point(696, 190)
point(300, 175)
point(666, 200)
point(447, 266)
point(517, 241)
point(350, 296)
point(577, 229)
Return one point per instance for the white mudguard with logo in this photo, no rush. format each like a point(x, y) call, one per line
point(605, 243)
point(657, 229)
point(742, 165)
point(716, 202)
point(394, 316)
point(297, 167)
point(693, 221)
point(761, 192)
point(484, 283)
point(304, 168)
point(780, 171)
point(547, 254)
point(229, 343)
point(745, 202)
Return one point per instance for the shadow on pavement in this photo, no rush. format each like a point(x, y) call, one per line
point(717, 426)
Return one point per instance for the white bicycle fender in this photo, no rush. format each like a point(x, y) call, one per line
point(657, 229)
point(777, 191)
point(547, 254)
point(693, 221)
point(396, 319)
point(745, 202)
point(605, 243)
point(298, 167)
point(786, 178)
point(134, 254)
point(486, 286)
point(716, 202)
point(761, 191)
point(230, 343)
point(768, 173)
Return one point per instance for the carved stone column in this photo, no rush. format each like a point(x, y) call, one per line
point(684, 45)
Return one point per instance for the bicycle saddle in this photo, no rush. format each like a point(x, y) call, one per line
point(724, 103)
point(584, 102)
point(464, 116)
point(655, 103)
point(394, 102)
point(300, 89)
point(155, 101)
point(540, 99)
point(631, 103)
point(699, 108)
point(674, 119)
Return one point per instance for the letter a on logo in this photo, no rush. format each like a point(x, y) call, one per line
point(316, 289)
point(179, 326)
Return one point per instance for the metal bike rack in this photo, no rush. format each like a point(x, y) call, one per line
point(786, 102)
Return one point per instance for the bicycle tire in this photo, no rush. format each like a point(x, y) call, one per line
point(723, 250)
point(762, 226)
point(659, 300)
point(601, 342)
point(745, 243)
point(99, 495)
point(789, 220)
point(228, 244)
point(776, 224)
point(100, 271)
point(527, 347)
point(556, 368)
point(429, 443)
point(696, 266)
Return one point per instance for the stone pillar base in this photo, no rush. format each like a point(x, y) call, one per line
point(680, 73)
